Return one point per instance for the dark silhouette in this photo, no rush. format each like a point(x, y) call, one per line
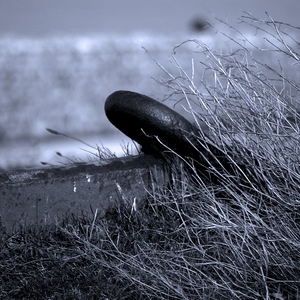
point(159, 129)
point(162, 132)
point(146, 120)
point(199, 25)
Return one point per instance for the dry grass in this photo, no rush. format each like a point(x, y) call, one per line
point(192, 240)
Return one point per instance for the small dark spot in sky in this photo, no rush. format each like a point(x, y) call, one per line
point(199, 24)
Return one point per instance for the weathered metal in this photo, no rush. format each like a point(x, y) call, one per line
point(153, 125)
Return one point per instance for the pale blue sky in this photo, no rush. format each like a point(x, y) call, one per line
point(37, 17)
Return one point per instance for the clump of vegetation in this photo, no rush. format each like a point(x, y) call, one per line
point(237, 238)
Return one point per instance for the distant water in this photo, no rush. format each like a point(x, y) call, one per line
point(31, 152)
point(63, 83)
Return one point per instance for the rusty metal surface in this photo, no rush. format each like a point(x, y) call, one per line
point(43, 196)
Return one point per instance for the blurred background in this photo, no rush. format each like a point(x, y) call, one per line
point(59, 60)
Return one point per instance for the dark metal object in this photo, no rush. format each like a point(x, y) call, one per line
point(158, 128)
point(164, 133)
point(150, 123)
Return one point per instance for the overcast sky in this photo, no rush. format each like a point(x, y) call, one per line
point(38, 18)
